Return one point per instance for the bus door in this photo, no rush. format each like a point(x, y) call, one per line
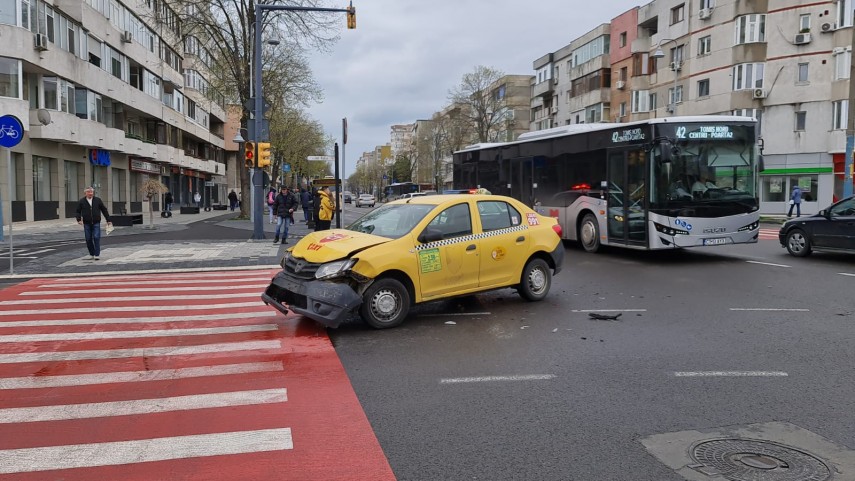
point(627, 200)
point(521, 180)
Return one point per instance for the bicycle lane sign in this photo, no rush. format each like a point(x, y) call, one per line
point(11, 131)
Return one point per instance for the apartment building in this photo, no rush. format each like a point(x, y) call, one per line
point(401, 138)
point(110, 95)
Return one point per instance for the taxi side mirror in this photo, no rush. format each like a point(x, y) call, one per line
point(430, 234)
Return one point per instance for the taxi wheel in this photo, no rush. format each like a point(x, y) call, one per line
point(536, 280)
point(589, 233)
point(385, 304)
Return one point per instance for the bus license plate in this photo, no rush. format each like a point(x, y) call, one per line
point(715, 242)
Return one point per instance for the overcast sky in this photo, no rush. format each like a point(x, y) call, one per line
point(405, 55)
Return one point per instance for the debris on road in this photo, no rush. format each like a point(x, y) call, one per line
point(604, 317)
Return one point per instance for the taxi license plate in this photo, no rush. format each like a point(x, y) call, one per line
point(715, 242)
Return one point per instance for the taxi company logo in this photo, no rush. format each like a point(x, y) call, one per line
point(333, 237)
point(627, 135)
point(299, 267)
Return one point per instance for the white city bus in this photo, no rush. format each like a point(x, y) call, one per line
point(656, 184)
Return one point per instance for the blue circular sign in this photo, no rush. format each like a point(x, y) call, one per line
point(11, 131)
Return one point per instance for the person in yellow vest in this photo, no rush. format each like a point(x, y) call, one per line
point(325, 215)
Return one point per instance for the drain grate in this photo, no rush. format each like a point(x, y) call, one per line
point(754, 460)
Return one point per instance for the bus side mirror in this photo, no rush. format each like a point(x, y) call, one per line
point(667, 152)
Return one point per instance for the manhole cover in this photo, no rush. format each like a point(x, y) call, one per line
point(753, 460)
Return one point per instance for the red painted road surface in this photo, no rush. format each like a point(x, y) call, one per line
point(769, 234)
point(173, 377)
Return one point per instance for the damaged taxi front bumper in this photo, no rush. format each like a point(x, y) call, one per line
point(327, 302)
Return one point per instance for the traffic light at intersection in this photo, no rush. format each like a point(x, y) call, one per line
point(249, 154)
point(263, 154)
point(351, 16)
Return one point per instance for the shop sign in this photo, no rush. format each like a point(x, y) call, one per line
point(144, 166)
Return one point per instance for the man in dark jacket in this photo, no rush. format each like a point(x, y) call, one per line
point(89, 210)
point(316, 208)
point(283, 207)
point(306, 203)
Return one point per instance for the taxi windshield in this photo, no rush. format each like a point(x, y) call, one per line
point(392, 220)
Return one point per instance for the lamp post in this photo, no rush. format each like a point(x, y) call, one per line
point(675, 66)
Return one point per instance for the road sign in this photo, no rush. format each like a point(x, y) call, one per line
point(286, 167)
point(11, 131)
point(326, 158)
point(384, 177)
point(344, 130)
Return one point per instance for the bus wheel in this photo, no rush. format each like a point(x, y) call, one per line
point(589, 233)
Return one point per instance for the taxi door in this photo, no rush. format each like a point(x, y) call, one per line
point(504, 243)
point(449, 265)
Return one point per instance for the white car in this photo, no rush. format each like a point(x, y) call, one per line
point(365, 199)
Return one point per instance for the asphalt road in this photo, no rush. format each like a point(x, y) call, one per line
point(587, 393)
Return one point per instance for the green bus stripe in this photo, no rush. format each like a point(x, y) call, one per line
point(805, 170)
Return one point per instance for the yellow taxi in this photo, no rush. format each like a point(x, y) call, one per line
point(417, 250)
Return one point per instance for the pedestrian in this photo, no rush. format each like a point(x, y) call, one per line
point(306, 203)
point(284, 205)
point(325, 213)
point(89, 210)
point(316, 208)
point(233, 200)
point(197, 199)
point(795, 201)
point(271, 199)
point(167, 199)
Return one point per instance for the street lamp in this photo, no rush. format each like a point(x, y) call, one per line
point(675, 66)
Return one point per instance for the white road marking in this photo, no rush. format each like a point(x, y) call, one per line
point(456, 314)
point(81, 310)
point(136, 289)
point(165, 282)
point(141, 406)
point(81, 336)
point(52, 458)
point(527, 377)
point(38, 382)
point(609, 310)
point(132, 298)
point(768, 264)
point(139, 352)
point(774, 309)
point(177, 276)
point(40, 252)
point(730, 374)
point(135, 320)
point(846, 274)
point(87, 276)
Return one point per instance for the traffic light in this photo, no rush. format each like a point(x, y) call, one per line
point(351, 16)
point(249, 154)
point(263, 154)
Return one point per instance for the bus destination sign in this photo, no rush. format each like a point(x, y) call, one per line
point(627, 135)
point(702, 132)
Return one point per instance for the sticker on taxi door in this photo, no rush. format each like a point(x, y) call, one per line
point(430, 261)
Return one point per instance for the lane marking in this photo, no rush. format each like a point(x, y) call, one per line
point(130, 284)
point(456, 314)
point(133, 298)
point(136, 288)
point(134, 320)
point(51, 458)
point(40, 252)
point(730, 374)
point(609, 310)
point(81, 336)
point(141, 406)
point(774, 309)
point(221, 347)
point(527, 377)
point(846, 274)
point(768, 264)
point(81, 310)
point(32, 382)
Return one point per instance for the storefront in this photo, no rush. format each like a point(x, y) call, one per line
point(141, 171)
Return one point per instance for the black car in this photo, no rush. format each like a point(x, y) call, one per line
point(832, 229)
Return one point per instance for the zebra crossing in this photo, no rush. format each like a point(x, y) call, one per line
point(768, 234)
point(176, 376)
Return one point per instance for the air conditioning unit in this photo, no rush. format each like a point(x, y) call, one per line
point(676, 66)
point(620, 85)
point(837, 50)
point(828, 27)
point(759, 94)
point(127, 37)
point(554, 109)
point(669, 108)
point(802, 38)
point(40, 41)
point(705, 13)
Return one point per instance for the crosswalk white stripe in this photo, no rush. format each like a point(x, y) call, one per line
point(194, 276)
point(139, 352)
point(131, 284)
point(140, 451)
point(81, 336)
point(187, 297)
point(81, 310)
point(32, 382)
point(141, 406)
point(42, 251)
point(136, 320)
point(137, 289)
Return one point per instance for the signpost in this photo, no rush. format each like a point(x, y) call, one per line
point(11, 133)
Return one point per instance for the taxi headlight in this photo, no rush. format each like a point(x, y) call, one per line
point(285, 257)
point(334, 269)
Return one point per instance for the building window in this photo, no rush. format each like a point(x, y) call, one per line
point(677, 55)
point(801, 121)
point(622, 39)
point(750, 29)
point(622, 111)
point(804, 23)
point(704, 88)
point(840, 114)
point(10, 78)
point(706, 4)
point(844, 13)
point(623, 73)
point(704, 45)
point(678, 13)
point(675, 95)
point(747, 76)
point(41, 178)
point(50, 86)
point(802, 76)
point(73, 178)
point(842, 61)
point(643, 101)
point(773, 189)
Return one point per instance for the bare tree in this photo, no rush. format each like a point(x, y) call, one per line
point(483, 107)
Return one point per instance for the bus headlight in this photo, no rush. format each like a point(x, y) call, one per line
point(750, 226)
point(664, 229)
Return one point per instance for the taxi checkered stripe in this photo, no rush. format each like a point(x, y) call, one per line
point(470, 237)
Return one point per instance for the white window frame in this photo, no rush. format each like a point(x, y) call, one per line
point(705, 45)
point(705, 81)
point(802, 70)
point(839, 114)
point(804, 22)
point(842, 64)
point(844, 20)
point(622, 110)
point(677, 14)
point(750, 29)
point(679, 94)
point(745, 76)
point(19, 76)
point(641, 101)
point(706, 4)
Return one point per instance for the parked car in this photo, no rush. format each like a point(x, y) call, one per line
point(412, 251)
point(348, 197)
point(832, 229)
point(365, 199)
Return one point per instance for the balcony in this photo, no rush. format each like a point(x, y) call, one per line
point(543, 88)
point(139, 147)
